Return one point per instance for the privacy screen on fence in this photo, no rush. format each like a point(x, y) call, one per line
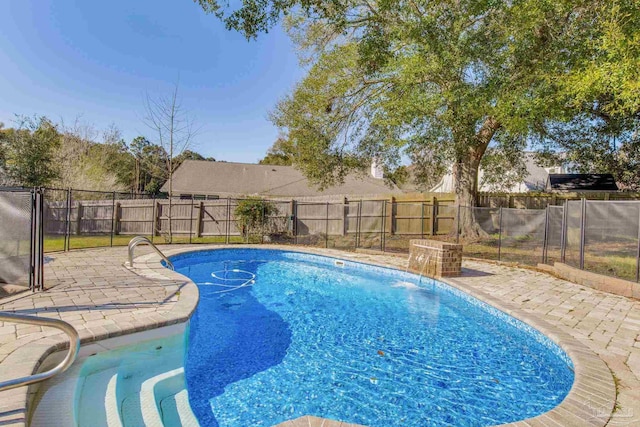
point(599, 236)
point(15, 241)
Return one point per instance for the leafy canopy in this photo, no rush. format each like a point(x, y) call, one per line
point(28, 151)
point(279, 154)
point(441, 81)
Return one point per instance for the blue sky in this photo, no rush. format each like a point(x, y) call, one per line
point(97, 59)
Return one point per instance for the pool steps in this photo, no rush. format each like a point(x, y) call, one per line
point(163, 398)
point(116, 391)
point(111, 403)
point(162, 401)
point(94, 398)
point(56, 406)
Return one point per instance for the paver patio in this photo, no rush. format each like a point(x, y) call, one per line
point(92, 290)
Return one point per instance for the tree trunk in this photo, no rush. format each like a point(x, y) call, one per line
point(465, 173)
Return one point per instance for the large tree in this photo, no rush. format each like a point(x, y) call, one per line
point(28, 151)
point(599, 128)
point(441, 80)
point(279, 154)
point(596, 143)
point(190, 155)
point(92, 159)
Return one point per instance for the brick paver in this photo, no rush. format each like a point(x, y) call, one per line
point(93, 291)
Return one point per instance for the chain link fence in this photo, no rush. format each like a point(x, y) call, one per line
point(611, 238)
point(554, 234)
point(599, 236)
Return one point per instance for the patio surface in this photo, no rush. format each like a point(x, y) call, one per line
point(92, 290)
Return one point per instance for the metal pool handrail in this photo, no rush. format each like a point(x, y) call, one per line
point(74, 346)
point(143, 240)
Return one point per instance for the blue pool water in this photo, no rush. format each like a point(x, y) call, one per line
point(278, 335)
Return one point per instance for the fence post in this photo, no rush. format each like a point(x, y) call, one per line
point(422, 220)
point(32, 238)
point(358, 222)
point(113, 216)
point(434, 213)
point(383, 244)
point(326, 228)
point(67, 225)
point(118, 214)
point(583, 220)
point(153, 217)
point(262, 224)
point(79, 219)
point(191, 220)
point(294, 218)
point(40, 253)
point(545, 243)
point(226, 230)
point(345, 211)
point(392, 229)
point(500, 236)
point(200, 220)
point(458, 225)
point(563, 234)
point(157, 218)
point(638, 252)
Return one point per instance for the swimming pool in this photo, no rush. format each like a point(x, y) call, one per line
point(277, 335)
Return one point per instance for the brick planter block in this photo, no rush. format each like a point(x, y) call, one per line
point(433, 258)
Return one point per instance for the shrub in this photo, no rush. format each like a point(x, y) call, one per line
point(253, 215)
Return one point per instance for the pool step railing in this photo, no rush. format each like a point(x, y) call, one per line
point(72, 352)
point(141, 240)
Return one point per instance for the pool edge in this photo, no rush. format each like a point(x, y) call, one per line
point(30, 356)
point(592, 397)
point(590, 401)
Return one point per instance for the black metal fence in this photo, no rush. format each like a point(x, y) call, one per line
point(598, 236)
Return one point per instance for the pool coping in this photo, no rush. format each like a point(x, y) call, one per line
point(590, 401)
point(27, 359)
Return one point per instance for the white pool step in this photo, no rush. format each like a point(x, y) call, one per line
point(96, 404)
point(111, 403)
point(177, 412)
point(161, 401)
point(164, 400)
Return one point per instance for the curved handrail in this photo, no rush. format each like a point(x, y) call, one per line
point(144, 240)
point(74, 346)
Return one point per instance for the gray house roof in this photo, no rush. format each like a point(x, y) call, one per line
point(582, 182)
point(227, 179)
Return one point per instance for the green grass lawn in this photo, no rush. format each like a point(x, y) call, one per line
point(609, 263)
point(56, 243)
